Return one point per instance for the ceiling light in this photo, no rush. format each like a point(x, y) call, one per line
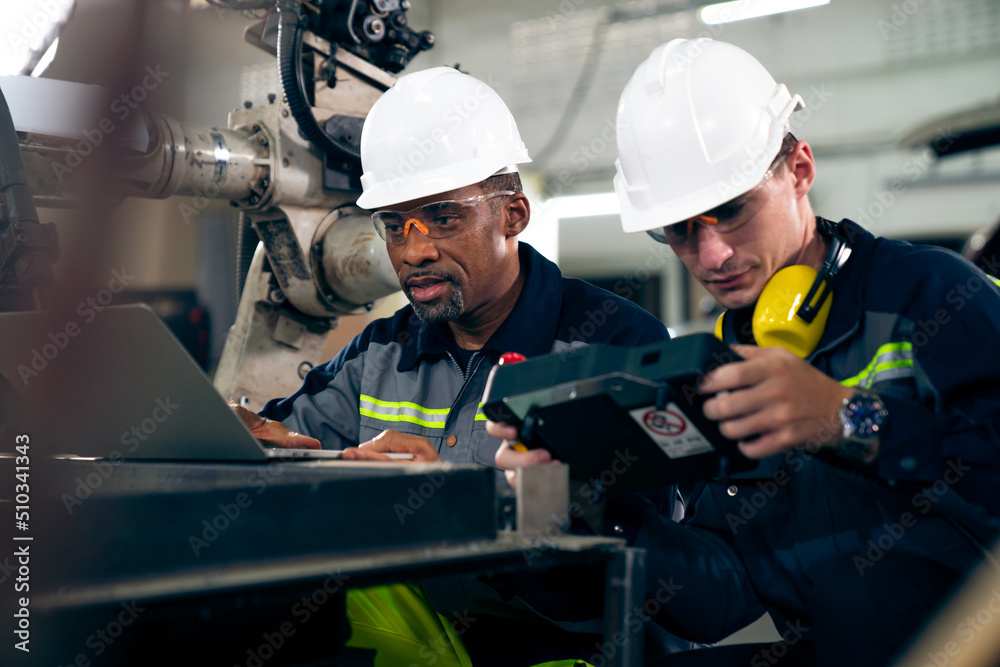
point(740, 10)
point(583, 206)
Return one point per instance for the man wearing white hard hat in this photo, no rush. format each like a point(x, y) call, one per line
point(439, 153)
point(869, 386)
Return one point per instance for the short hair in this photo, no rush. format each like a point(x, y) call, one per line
point(499, 183)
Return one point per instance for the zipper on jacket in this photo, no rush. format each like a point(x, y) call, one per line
point(459, 366)
point(465, 378)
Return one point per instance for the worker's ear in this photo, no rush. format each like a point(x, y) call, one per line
point(803, 168)
point(518, 213)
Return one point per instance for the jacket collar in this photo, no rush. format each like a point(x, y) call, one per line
point(848, 307)
point(529, 329)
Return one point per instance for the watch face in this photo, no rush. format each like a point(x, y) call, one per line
point(865, 415)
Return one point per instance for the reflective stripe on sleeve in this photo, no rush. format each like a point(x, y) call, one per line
point(403, 411)
point(892, 361)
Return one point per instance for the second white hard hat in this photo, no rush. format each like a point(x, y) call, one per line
point(436, 130)
point(698, 124)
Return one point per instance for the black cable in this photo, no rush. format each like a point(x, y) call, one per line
point(241, 5)
point(350, 21)
point(575, 102)
point(290, 31)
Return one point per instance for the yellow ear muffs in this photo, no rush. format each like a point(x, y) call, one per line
point(774, 321)
point(782, 318)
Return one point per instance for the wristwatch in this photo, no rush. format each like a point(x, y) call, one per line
point(862, 417)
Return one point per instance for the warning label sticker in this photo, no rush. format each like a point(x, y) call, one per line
point(676, 435)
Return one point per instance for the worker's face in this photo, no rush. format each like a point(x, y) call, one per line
point(450, 278)
point(735, 266)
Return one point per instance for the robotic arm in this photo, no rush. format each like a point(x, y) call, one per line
point(308, 255)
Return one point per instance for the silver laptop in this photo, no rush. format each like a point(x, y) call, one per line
point(116, 383)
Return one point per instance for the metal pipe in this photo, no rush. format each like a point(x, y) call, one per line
point(199, 160)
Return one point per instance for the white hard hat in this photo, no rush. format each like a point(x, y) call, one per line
point(699, 123)
point(434, 131)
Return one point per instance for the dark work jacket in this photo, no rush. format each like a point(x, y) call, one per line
point(400, 373)
point(919, 326)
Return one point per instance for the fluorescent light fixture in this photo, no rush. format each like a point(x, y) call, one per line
point(740, 10)
point(583, 206)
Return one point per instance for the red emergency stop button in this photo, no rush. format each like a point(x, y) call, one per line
point(512, 358)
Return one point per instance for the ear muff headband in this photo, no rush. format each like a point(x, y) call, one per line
point(835, 258)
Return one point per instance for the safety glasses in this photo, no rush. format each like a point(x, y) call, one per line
point(725, 218)
point(438, 220)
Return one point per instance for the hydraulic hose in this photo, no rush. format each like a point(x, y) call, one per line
point(290, 30)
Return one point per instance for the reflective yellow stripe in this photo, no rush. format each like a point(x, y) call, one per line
point(480, 417)
point(996, 281)
point(405, 404)
point(894, 347)
point(888, 357)
point(401, 418)
point(403, 411)
point(901, 363)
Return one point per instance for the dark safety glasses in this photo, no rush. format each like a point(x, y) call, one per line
point(438, 220)
point(725, 218)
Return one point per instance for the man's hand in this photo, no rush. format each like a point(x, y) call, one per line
point(394, 441)
point(272, 433)
point(775, 395)
point(510, 460)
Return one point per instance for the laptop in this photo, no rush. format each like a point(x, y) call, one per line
point(116, 383)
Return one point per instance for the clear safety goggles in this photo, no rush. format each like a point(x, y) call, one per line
point(725, 218)
point(438, 220)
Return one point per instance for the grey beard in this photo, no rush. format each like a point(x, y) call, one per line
point(447, 311)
